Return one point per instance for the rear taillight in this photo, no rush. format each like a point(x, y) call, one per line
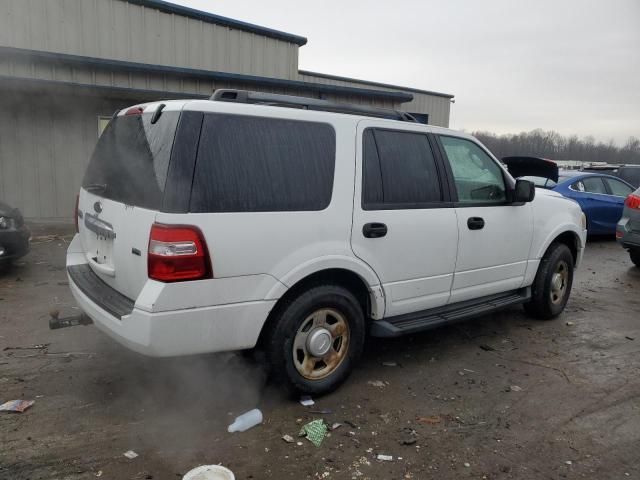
point(76, 213)
point(633, 201)
point(177, 253)
point(134, 111)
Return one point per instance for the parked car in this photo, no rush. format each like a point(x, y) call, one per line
point(14, 235)
point(600, 196)
point(208, 226)
point(628, 231)
point(630, 174)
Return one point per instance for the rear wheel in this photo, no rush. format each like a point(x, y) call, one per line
point(552, 285)
point(634, 253)
point(316, 339)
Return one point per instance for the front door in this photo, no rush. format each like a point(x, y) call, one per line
point(494, 235)
point(404, 225)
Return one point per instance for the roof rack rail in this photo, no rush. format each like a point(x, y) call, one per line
point(291, 101)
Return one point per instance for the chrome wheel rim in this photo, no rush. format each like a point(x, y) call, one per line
point(321, 344)
point(559, 281)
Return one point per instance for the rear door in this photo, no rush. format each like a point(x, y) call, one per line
point(122, 190)
point(599, 206)
point(495, 236)
point(404, 225)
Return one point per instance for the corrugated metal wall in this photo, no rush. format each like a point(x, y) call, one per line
point(438, 107)
point(123, 31)
point(45, 144)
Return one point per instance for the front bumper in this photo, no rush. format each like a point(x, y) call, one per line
point(14, 243)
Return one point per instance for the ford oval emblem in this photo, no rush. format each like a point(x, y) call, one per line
point(97, 207)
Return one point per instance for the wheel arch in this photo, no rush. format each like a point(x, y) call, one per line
point(369, 296)
point(568, 237)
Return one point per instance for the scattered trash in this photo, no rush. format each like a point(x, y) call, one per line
point(467, 464)
point(335, 426)
point(568, 462)
point(324, 411)
point(569, 324)
point(55, 322)
point(299, 444)
point(431, 420)
point(389, 364)
point(246, 421)
point(209, 472)
point(130, 454)
point(407, 441)
point(99, 473)
point(315, 431)
point(18, 406)
point(306, 401)
point(385, 458)
point(487, 348)
point(288, 438)
point(629, 338)
point(351, 424)
point(515, 388)
point(41, 346)
point(377, 383)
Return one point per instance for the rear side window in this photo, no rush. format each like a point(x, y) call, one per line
point(592, 185)
point(399, 170)
point(130, 161)
point(256, 164)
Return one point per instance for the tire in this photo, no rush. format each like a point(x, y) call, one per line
point(634, 253)
point(320, 311)
point(549, 293)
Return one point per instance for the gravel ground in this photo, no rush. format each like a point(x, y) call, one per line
point(503, 396)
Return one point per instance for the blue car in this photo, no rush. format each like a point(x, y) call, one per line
point(600, 196)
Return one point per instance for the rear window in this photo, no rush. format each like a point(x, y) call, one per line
point(630, 174)
point(130, 161)
point(256, 164)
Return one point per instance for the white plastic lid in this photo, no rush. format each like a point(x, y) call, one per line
point(209, 472)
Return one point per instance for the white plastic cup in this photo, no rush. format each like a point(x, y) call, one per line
point(246, 421)
point(209, 472)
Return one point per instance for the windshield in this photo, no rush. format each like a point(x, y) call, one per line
point(131, 159)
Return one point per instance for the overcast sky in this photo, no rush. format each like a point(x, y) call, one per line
point(568, 65)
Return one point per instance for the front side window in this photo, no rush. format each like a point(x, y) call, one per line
point(477, 176)
point(618, 188)
point(258, 164)
point(399, 170)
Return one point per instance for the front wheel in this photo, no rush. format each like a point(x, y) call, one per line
point(552, 285)
point(634, 253)
point(316, 339)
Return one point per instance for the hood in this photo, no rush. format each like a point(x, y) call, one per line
point(531, 166)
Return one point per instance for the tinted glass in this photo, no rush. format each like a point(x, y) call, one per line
point(401, 166)
point(477, 176)
point(630, 174)
point(543, 182)
point(594, 185)
point(254, 164)
point(618, 188)
point(130, 161)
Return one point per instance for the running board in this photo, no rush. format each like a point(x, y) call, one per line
point(436, 317)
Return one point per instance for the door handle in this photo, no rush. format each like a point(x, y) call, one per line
point(475, 223)
point(374, 230)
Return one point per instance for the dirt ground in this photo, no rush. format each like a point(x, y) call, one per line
point(499, 397)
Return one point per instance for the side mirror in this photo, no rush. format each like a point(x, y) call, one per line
point(524, 192)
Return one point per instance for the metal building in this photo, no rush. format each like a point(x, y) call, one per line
point(67, 65)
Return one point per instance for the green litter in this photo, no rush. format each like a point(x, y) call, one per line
point(315, 431)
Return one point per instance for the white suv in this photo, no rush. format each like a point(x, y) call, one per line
point(300, 226)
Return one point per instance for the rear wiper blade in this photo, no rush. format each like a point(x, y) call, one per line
point(96, 187)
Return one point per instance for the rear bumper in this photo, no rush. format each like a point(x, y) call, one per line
point(14, 243)
point(216, 328)
point(626, 237)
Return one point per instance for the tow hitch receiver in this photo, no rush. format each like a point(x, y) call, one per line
point(55, 322)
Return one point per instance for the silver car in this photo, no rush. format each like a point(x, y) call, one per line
point(628, 229)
